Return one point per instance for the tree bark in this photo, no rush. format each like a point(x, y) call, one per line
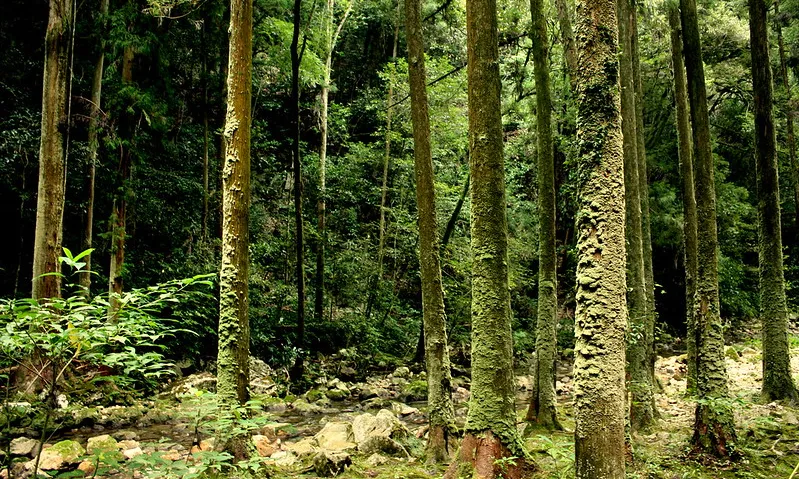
point(490, 429)
point(601, 312)
point(119, 207)
point(234, 326)
point(206, 140)
point(688, 198)
point(441, 438)
point(85, 279)
point(543, 405)
point(714, 428)
point(646, 229)
point(55, 122)
point(777, 380)
point(567, 37)
point(642, 396)
point(789, 113)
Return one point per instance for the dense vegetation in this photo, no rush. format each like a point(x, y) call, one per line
point(325, 266)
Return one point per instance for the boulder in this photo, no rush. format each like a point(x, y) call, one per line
point(330, 464)
point(264, 446)
point(60, 455)
point(348, 373)
point(24, 446)
point(731, 353)
point(284, 459)
point(402, 372)
point(132, 452)
point(461, 395)
point(304, 407)
point(377, 460)
point(402, 409)
point(336, 436)
point(379, 433)
point(99, 444)
point(87, 467)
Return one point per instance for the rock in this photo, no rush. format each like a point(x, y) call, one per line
point(379, 433)
point(524, 383)
point(128, 444)
point(337, 395)
point(24, 446)
point(403, 409)
point(348, 373)
point(60, 455)
point(208, 444)
point(284, 459)
point(377, 460)
point(261, 377)
point(304, 407)
point(414, 391)
point(61, 401)
point(276, 430)
point(264, 446)
point(132, 452)
point(172, 455)
point(336, 436)
point(731, 353)
point(330, 464)
point(377, 444)
point(747, 351)
point(87, 467)
point(402, 372)
point(99, 444)
point(125, 436)
point(461, 395)
point(301, 448)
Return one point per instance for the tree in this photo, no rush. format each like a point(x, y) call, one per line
point(119, 212)
point(440, 443)
point(490, 431)
point(649, 411)
point(94, 144)
point(331, 38)
point(600, 322)
point(714, 430)
point(542, 408)
point(788, 113)
point(687, 177)
point(55, 121)
point(641, 413)
point(777, 380)
point(234, 326)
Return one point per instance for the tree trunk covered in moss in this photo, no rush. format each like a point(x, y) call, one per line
point(85, 279)
point(119, 211)
point(234, 327)
point(567, 37)
point(50, 196)
point(491, 432)
point(687, 177)
point(440, 443)
point(642, 414)
point(646, 229)
point(601, 313)
point(714, 428)
point(777, 380)
point(791, 139)
point(542, 410)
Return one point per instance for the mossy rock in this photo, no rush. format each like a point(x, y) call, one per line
point(415, 391)
point(99, 444)
point(314, 395)
point(69, 450)
point(732, 353)
point(337, 395)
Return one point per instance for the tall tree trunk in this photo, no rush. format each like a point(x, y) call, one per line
point(789, 113)
point(648, 337)
point(381, 245)
point(641, 400)
point(321, 205)
point(567, 37)
point(777, 380)
point(50, 198)
point(234, 326)
point(119, 207)
point(206, 142)
point(440, 442)
point(297, 369)
point(714, 428)
point(491, 433)
point(601, 315)
point(543, 410)
point(94, 145)
point(687, 177)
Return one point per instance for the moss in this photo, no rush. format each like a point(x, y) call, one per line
point(314, 395)
point(69, 450)
point(415, 391)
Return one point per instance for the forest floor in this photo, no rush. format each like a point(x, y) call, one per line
point(311, 436)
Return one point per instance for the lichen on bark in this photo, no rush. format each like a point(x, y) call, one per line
point(601, 313)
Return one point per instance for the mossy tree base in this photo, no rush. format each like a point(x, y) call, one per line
point(714, 432)
point(483, 456)
point(441, 444)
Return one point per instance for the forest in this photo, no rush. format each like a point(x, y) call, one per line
point(471, 239)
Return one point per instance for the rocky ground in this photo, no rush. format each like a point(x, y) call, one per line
point(376, 428)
